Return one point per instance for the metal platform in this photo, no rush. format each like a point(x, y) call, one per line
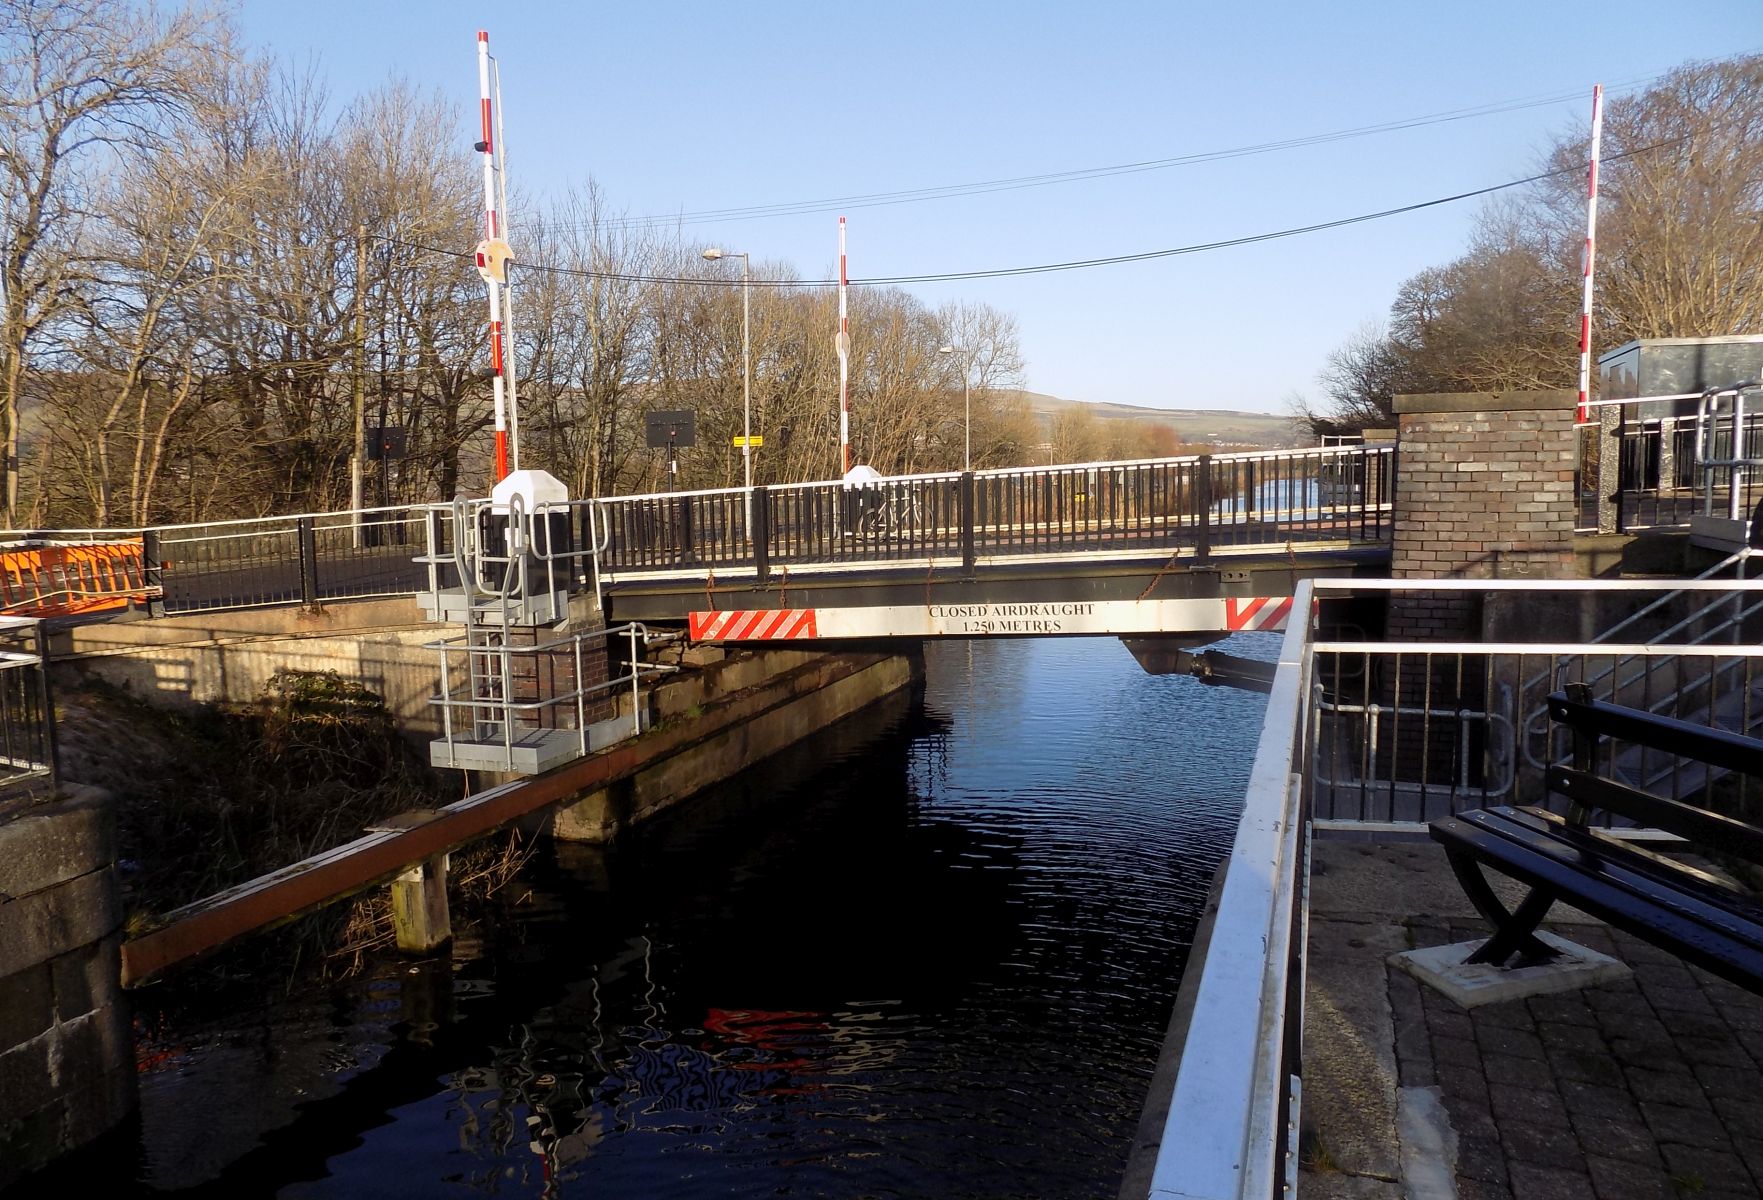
point(450, 606)
point(531, 751)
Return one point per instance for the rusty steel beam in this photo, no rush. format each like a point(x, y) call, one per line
point(378, 857)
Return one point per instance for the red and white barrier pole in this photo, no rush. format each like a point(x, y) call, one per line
point(505, 214)
point(492, 234)
point(1591, 233)
point(844, 347)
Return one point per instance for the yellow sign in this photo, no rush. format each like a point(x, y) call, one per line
point(755, 441)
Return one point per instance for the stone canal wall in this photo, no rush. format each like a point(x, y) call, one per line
point(750, 705)
point(67, 1060)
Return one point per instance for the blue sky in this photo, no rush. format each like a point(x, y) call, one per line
point(688, 106)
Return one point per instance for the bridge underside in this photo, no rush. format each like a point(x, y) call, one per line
point(1216, 595)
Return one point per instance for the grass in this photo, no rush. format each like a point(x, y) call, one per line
point(1313, 1153)
point(208, 798)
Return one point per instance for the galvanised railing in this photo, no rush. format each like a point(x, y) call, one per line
point(306, 558)
point(27, 711)
point(1360, 734)
point(1662, 462)
point(1410, 729)
point(1201, 503)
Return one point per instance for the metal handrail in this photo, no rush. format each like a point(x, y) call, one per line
point(1502, 755)
point(1738, 464)
point(1540, 714)
point(1231, 1132)
point(508, 707)
point(1362, 451)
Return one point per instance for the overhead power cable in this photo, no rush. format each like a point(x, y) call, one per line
point(1040, 268)
point(1016, 183)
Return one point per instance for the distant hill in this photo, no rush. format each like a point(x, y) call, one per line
point(1218, 426)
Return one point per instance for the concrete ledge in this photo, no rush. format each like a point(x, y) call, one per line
point(289, 620)
point(1472, 985)
point(1464, 402)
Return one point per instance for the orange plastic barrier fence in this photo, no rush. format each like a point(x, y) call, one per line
point(60, 581)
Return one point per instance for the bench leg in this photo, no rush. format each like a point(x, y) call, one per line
point(1515, 929)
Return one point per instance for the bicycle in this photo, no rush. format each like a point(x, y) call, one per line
point(890, 516)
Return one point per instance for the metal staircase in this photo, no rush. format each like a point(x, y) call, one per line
point(1727, 696)
point(526, 685)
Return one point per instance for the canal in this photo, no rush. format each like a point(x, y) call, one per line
point(931, 953)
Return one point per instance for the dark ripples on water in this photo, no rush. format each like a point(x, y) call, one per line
point(931, 954)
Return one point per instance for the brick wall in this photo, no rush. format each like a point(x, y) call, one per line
point(1484, 486)
point(1484, 490)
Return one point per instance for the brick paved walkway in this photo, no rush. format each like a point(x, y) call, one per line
point(1648, 1089)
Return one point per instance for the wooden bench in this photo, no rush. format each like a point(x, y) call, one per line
point(1675, 906)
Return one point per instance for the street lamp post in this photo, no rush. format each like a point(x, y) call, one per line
point(966, 405)
point(714, 253)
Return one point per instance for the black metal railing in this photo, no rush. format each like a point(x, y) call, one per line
point(1192, 505)
point(286, 560)
point(1196, 503)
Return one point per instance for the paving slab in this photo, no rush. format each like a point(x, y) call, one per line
point(1348, 1031)
point(1645, 1086)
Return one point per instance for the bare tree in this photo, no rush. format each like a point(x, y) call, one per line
point(1680, 208)
point(84, 85)
point(1680, 254)
point(987, 345)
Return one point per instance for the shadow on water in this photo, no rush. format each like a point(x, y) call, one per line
point(929, 952)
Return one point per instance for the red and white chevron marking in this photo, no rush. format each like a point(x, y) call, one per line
point(1256, 612)
point(752, 625)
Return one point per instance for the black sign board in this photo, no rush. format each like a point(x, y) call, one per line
point(385, 441)
point(671, 427)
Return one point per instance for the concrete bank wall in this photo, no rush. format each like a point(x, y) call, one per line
point(67, 1060)
point(228, 657)
point(766, 686)
point(793, 695)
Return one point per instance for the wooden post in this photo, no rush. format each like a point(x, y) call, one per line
point(419, 907)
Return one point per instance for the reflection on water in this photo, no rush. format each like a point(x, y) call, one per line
point(932, 953)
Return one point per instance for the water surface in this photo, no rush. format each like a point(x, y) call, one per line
point(930, 953)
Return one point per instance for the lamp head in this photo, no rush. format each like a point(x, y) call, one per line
point(713, 253)
point(945, 349)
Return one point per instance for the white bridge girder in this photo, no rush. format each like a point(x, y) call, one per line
point(1229, 614)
